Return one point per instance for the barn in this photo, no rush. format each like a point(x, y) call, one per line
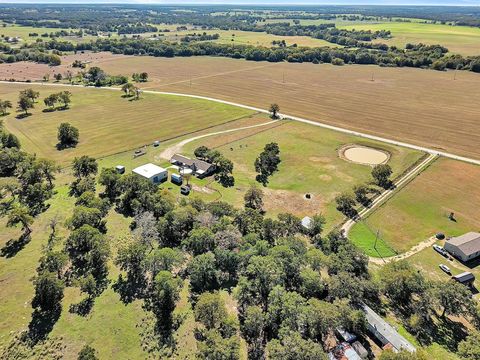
point(152, 172)
point(465, 247)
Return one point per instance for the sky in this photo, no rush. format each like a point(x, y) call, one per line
point(259, 2)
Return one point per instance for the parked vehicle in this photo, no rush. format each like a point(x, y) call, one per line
point(445, 268)
point(440, 250)
point(156, 143)
point(184, 189)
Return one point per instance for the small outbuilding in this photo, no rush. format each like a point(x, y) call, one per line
point(465, 278)
point(307, 222)
point(465, 247)
point(152, 172)
point(120, 169)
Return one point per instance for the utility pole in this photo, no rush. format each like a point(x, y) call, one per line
point(376, 238)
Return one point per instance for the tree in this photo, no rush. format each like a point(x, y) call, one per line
point(20, 215)
point(455, 299)
point(25, 103)
point(291, 346)
point(346, 205)
point(210, 310)
point(214, 346)
point(316, 226)
point(146, 231)
point(267, 162)
point(143, 77)
point(83, 215)
point(132, 260)
point(253, 331)
point(164, 294)
point(311, 283)
point(58, 77)
point(381, 174)
point(254, 198)
point(361, 194)
point(203, 273)
point(128, 89)
point(224, 170)
point(84, 166)
point(401, 280)
point(48, 168)
point(65, 97)
point(404, 355)
point(30, 94)
point(469, 348)
point(110, 178)
point(274, 109)
point(67, 135)
point(4, 106)
point(163, 259)
point(51, 100)
point(87, 353)
point(201, 152)
point(48, 292)
point(200, 241)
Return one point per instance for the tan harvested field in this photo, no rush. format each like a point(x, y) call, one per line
point(423, 107)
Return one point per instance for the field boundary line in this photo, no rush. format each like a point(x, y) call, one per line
point(281, 116)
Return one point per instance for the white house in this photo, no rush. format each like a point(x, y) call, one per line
point(152, 172)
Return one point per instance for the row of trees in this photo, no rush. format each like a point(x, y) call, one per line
point(63, 97)
point(346, 202)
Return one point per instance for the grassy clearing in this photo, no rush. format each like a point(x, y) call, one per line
point(421, 208)
point(252, 38)
point(310, 164)
point(463, 40)
point(109, 123)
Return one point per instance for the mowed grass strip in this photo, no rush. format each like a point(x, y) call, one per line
point(463, 40)
point(421, 209)
point(109, 123)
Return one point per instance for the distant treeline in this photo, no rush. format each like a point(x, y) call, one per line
point(327, 32)
point(422, 56)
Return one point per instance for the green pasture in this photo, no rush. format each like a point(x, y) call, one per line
point(421, 209)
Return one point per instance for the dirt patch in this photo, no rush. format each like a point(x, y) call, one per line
point(363, 155)
point(320, 159)
point(325, 177)
point(202, 189)
point(293, 202)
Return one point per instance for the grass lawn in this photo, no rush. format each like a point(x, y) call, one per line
point(110, 124)
point(463, 40)
point(310, 164)
point(421, 209)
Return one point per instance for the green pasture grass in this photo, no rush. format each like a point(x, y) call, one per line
point(463, 40)
point(421, 208)
point(234, 37)
point(109, 123)
point(310, 164)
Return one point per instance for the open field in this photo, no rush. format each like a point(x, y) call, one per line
point(109, 123)
point(421, 208)
point(252, 38)
point(422, 107)
point(463, 40)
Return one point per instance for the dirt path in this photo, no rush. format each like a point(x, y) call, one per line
point(417, 248)
point(380, 200)
point(172, 150)
point(282, 116)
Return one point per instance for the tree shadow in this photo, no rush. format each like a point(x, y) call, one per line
point(128, 290)
point(49, 110)
point(23, 116)
point(6, 114)
point(42, 324)
point(84, 307)
point(61, 146)
point(14, 246)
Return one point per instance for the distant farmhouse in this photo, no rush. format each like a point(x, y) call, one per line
point(465, 247)
point(152, 172)
point(199, 168)
point(385, 333)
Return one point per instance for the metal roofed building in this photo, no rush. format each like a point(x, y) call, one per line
point(465, 247)
point(384, 332)
point(151, 172)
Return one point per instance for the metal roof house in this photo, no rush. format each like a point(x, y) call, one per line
point(465, 247)
point(384, 332)
point(200, 168)
point(151, 172)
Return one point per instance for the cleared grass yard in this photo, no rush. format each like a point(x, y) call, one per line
point(109, 123)
point(310, 164)
point(463, 40)
point(421, 208)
